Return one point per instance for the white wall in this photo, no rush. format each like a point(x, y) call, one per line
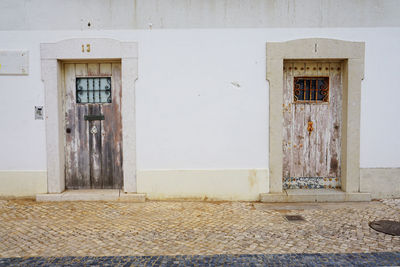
point(184, 14)
point(202, 98)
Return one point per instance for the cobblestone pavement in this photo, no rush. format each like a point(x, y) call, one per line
point(57, 229)
point(353, 259)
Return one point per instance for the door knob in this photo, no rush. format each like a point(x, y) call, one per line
point(310, 127)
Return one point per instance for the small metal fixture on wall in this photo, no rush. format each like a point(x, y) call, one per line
point(38, 112)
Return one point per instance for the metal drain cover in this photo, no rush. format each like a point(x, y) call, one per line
point(293, 218)
point(386, 226)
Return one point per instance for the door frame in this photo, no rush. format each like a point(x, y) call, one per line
point(352, 54)
point(87, 49)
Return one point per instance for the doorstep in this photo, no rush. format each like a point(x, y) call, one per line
point(92, 195)
point(314, 195)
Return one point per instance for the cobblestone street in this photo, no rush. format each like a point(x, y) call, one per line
point(29, 228)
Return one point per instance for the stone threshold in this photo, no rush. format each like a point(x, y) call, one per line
point(314, 195)
point(92, 195)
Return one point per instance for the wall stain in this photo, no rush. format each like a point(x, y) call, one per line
point(252, 177)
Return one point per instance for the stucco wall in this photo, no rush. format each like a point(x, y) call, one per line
point(183, 14)
point(202, 97)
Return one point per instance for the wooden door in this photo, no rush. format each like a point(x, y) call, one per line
point(312, 115)
point(93, 129)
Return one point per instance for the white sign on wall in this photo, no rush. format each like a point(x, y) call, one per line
point(14, 62)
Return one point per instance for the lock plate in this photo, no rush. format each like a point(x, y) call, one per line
point(94, 117)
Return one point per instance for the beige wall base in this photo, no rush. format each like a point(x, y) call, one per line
point(205, 184)
point(243, 184)
point(381, 182)
point(314, 195)
point(22, 183)
point(91, 195)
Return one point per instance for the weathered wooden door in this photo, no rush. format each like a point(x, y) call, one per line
point(93, 129)
point(312, 114)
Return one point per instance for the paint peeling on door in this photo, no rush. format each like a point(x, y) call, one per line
point(93, 145)
point(311, 135)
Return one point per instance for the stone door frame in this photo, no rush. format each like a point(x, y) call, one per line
point(352, 54)
point(87, 49)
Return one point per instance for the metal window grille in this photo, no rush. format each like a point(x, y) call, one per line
point(311, 89)
point(93, 90)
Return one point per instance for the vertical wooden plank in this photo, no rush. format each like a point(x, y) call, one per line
point(81, 69)
point(108, 146)
point(82, 134)
point(336, 118)
point(313, 113)
point(287, 118)
point(332, 98)
point(70, 137)
point(105, 69)
point(93, 69)
point(111, 171)
point(309, 140)
point(326, 126)
point(299, 139)
point(291, 120)
point(94, 136)
point(77, 165)
point(321, 126)
point(95, 148)
point(107, 128)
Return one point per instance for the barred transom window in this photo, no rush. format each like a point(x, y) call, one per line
point(93, 90)
point(311, 89)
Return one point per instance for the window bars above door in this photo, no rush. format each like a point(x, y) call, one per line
point(311, 89)
point(93, 90)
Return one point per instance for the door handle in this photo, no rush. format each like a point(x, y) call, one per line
point(310, 127)
point(68, 130)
